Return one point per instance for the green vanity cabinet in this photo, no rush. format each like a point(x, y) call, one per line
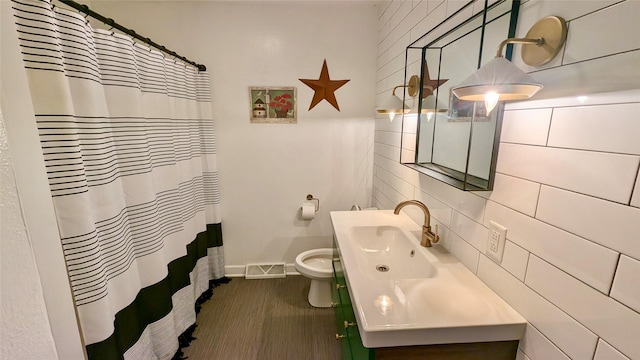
point(346, 327)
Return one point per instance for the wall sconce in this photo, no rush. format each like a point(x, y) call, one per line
point(393, 105)
point(501, 80)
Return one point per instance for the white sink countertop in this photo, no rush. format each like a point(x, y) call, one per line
point(404, 294)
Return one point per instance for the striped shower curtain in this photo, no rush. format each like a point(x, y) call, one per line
point(128, 142)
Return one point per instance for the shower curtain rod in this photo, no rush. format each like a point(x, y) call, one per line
point(85, 9)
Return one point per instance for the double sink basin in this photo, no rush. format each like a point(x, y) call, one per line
point(404, 294)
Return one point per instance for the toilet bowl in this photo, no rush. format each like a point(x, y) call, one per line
point(316, 265)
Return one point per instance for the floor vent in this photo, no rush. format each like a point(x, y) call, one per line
point(265, 271)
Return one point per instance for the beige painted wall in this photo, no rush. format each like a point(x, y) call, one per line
point(266, 171)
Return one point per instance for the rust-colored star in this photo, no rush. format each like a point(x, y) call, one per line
point(428, 84)
point(324, 88)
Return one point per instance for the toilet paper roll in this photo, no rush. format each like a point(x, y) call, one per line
point(308, 210)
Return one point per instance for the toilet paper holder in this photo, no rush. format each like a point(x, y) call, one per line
point(317, 201)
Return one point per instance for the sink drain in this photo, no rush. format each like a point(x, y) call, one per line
point(382, 268)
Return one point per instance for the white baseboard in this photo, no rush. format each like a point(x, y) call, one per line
point(234, 270)
point(291, 269)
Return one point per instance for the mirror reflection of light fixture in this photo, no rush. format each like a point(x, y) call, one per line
point(430, 105)
point(501, 80)
point(393, 105)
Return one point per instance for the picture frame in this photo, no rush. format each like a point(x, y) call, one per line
point(273, 105)
point(465, 111)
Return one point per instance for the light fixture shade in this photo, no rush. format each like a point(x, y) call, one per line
point(500, 76)
point(429, 105)
point(392, 104)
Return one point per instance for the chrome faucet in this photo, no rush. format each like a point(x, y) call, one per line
point(428, 237)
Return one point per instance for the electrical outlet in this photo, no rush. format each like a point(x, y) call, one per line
point(495, 243)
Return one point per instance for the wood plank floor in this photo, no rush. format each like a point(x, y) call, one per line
point(263, 319)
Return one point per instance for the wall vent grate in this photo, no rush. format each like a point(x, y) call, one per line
point(265, 271)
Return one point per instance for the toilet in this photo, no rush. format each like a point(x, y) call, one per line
point(316, 265)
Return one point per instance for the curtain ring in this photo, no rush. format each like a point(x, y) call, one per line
point(111, 24)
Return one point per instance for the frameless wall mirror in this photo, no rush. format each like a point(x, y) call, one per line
point(452, 140)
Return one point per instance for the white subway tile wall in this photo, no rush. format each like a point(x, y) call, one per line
point(606, 352)
point(603, 222)
point(581, 128)
point(558, 327)
point(537, 346)
point(516, 193)
point(515, 260)
point(563, 167)
point(567, 186)
point(601, 314)
point(621, 19)
point(526, 126)
point(522, 356)
point(635, 199)
point(626, 285)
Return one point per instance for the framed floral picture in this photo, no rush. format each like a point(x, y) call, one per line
point(273, 105)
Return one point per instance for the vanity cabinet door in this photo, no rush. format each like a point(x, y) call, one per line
point(347, 329)
point(358, 351)
point(339, 311)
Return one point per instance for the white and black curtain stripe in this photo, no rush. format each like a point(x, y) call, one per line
point(128, 141)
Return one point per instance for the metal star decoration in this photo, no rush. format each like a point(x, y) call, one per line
point(324, 88)
point(429, 85)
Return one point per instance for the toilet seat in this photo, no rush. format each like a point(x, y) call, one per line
point(315, 263)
